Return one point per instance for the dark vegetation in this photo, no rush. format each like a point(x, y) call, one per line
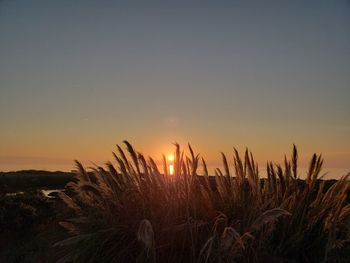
point(27, 180)
point(29, 221)
point(133, 212)
point(29, 226)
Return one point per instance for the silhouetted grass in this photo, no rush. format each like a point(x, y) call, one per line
point(133, 212)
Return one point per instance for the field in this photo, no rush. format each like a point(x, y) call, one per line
point(136, 211)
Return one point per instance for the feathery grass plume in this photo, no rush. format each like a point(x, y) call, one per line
point(154, 167)
point(206, 176)
point(116, 177)
point(133, 155)
point(123, 159)
point(220, 223)
point(295, 162)
point(225, 217)
point(193, 164)
point(228, 237)
point(282, 180)
point(145, 234)
point(69, 202)
point(238, 165)
point(268, 217)
point(82, 174)
point(226, 168)
point(165, 168)
point(252, 175)
point(178, 160)
point(143, 164)
point(123, 169)
point(205, 168)
point(90, 188)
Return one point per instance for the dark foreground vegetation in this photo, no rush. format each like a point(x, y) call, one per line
point(135, 212)
point(29, 225)
point(29, 180)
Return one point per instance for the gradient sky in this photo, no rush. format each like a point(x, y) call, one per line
point(77, 77)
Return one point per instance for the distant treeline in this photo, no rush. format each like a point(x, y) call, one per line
point(33, 179)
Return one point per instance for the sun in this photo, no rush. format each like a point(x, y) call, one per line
point(171, 169)
point(171, 157)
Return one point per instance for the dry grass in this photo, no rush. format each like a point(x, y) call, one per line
point(132, 212)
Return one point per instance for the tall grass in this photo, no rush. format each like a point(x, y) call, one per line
point(132, 212)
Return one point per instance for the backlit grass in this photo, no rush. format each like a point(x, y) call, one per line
point(130, 211)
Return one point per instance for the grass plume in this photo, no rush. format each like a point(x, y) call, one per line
point(134, 213)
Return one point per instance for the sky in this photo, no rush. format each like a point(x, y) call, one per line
point(79, 77)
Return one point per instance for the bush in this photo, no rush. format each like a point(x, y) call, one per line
point(19, 213)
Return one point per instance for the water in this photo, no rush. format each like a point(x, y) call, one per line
point(47, 192)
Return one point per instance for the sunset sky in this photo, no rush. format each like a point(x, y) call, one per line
point(77, 77)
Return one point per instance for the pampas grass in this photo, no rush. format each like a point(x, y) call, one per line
point(131, 212)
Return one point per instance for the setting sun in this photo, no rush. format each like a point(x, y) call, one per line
point(171, 157)
point(171, 169)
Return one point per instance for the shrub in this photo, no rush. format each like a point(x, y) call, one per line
point(20, 213)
